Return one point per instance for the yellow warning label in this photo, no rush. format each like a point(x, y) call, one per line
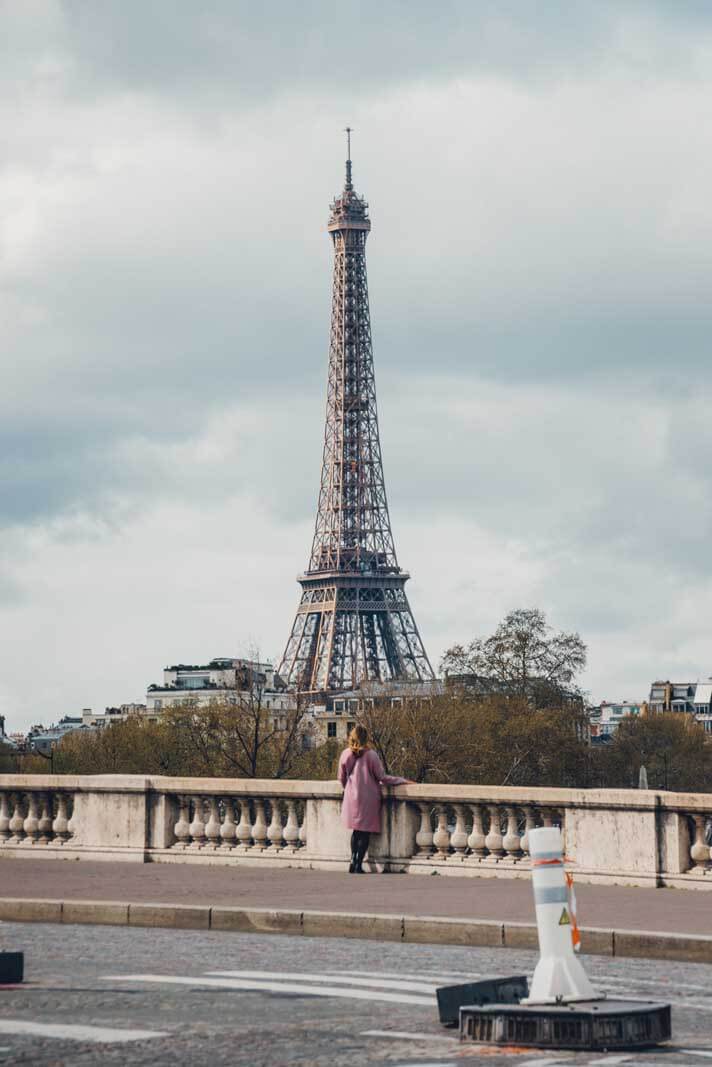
point(564, 920)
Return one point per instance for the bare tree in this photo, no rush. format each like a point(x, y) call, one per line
point(242, 734)
point(524, 657)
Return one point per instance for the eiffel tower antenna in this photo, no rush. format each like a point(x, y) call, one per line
point(349, 131)
point(353, 624)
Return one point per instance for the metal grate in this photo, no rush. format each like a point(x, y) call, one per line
point(591, 1025)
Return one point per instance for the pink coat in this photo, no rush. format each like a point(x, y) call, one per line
point(362, 779)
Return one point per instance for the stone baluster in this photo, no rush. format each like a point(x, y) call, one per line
point(45, 821)
point(4, 817)
point(441, 837)
point(274, 830)
point(182, 827)
point(212, 826)
point(17, 822)
point(60, 826)
point(291, 830)
point(31, 825)
point(424, 836)
point(228, 830)
point(547, 816)
point(197, 826)
point(511, 841)
point(493, 841)
point(259, 827)
point(477, 841)
point(700, 851)
point(303, 829)
point(244, 827)
point(529, 824)
point(458, 840)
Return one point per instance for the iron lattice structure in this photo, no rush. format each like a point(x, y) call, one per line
point(353, 624)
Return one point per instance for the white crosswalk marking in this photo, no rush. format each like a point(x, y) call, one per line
point(404, 1035)
point(453, 977)
point(640, 983)
point(383, 983)
point(294, 988)
point(104, 1035)
point(547, 1062)
point(611, 1061)
point(697, 1005)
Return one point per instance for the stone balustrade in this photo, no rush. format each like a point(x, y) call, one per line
point(630, 837)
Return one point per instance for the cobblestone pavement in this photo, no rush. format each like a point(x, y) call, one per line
point(676, 911)
point(122, 979)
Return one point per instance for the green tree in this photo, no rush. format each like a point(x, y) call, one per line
point(672, 747)
point(9, 760)
point(133, 746)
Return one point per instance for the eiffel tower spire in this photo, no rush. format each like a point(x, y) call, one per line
point(354, 623)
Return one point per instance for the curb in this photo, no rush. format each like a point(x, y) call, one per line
point(410, 929)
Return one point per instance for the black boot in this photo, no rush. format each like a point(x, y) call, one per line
point(361, 849)
point(354, 852)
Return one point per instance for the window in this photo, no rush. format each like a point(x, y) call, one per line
point(331, 729)
point(198, 681)
point(157, 705)
point(350, 726)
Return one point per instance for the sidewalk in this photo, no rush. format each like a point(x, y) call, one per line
point(499, 900)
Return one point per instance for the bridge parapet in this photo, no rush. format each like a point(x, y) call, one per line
point(627, 837)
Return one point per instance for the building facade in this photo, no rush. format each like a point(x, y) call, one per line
point(117, 714)
point(694, 698)
point(334, 719)
point(606, 717)
point(228, 680)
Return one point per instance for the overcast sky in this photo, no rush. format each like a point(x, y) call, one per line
point(540, 270)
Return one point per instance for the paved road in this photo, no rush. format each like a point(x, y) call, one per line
point(501, 899)
point(154, 998)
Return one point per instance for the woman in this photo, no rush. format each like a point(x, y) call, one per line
point(361, 775)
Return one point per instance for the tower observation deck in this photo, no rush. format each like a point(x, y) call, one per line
point(353, 624)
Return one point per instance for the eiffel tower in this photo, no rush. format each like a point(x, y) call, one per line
point(353, 624)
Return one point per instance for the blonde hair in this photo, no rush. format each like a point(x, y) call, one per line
point(358, 740)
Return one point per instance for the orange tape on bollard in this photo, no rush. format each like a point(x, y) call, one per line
point(575, 932)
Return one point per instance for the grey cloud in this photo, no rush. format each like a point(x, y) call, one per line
point(538, 185)
point(350, 47)
point(595, 473)
point(239, 52)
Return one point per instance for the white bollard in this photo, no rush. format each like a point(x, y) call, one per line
point(559, 975)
